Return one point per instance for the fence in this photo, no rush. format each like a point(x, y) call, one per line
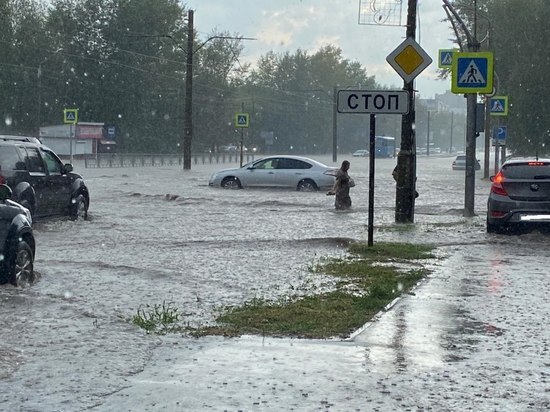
point(109, 160)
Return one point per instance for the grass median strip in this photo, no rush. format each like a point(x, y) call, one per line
point(368, 279)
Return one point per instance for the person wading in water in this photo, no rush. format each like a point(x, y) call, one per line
point(341, 188)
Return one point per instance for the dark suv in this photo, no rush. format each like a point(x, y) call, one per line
point(17, 246)
point(40, 181)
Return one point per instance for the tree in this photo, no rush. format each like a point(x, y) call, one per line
point(294, 93)
point(216, 100)
point(515, 31)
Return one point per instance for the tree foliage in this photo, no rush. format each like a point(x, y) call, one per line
point(123, 62)
point(516, 32)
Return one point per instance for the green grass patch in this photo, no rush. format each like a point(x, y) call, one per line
point(367, 283)
point(392, 251)
point(157, 319)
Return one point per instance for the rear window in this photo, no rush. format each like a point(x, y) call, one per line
point(8, 158)
point(293, 164)
point(537, 170)
point(461, 158)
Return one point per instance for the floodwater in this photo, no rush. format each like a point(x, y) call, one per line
point(473, 336)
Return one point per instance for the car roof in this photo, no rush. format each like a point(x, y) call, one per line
point(16, 138)
point(307, 159)
point(524, 160)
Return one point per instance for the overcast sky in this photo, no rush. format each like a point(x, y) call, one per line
point(288, 25)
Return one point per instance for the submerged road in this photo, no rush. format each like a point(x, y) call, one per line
point(473, 336)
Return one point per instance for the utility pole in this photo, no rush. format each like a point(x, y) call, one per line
point(188, 114)
point(188, 110)
point(487, 140)
point(471, 113)
point(334, 125)
point(406, 159)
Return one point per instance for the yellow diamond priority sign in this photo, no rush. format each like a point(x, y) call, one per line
point(409, 59)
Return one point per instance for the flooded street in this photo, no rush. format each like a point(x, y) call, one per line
point(473, 336)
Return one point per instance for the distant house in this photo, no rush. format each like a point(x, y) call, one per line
point(81, 139)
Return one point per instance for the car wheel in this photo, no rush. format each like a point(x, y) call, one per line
point(79, 209)
point(231, 183)
point(307, 186)
point(21, 268)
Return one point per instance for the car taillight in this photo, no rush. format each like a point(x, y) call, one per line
point(496, 187)
point(2, 180)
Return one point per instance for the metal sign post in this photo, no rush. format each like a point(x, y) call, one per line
point(242, 120)
point(372, 149)
point(373, 102)
point(70, 116)
point(499, 139)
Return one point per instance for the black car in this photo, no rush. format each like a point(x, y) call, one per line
point(520, 195)
point(17, 246)
point(40, 181)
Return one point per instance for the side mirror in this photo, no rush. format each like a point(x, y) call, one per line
point(68, 168)
point(5, 192)
point(492, 178)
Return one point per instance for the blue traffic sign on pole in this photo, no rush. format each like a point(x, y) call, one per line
point(446, 58)
point(241, 120)
point(472, 73)
point(499, 135)
point(498, 105)
point(70, 116)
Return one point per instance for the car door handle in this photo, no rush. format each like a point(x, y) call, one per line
point(270, 173)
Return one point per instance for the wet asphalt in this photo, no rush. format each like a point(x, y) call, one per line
point(472, 336)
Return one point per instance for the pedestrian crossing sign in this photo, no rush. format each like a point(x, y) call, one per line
point(446, 58)
point(472, 73)
point(70, 116)
point(498, 105)
point(241, 119)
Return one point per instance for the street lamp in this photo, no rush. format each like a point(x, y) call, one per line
point(188, 114)
point(188, 109)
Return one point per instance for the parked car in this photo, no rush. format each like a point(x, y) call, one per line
point(520, 194)
point(17, 245)
point(460, 163)
point(360, 153)
point(300, 173)
point(40, 181)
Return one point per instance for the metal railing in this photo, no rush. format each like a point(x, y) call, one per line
point(110, 160)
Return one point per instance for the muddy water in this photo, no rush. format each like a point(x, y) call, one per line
point(466, 338)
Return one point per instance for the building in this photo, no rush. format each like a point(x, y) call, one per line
point(82, 139)
point(455, 103)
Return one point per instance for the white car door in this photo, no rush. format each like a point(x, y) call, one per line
point(263, 174)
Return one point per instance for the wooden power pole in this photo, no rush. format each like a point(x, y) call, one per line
point(406, 159)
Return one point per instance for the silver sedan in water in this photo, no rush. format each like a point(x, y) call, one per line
point(296, 172)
